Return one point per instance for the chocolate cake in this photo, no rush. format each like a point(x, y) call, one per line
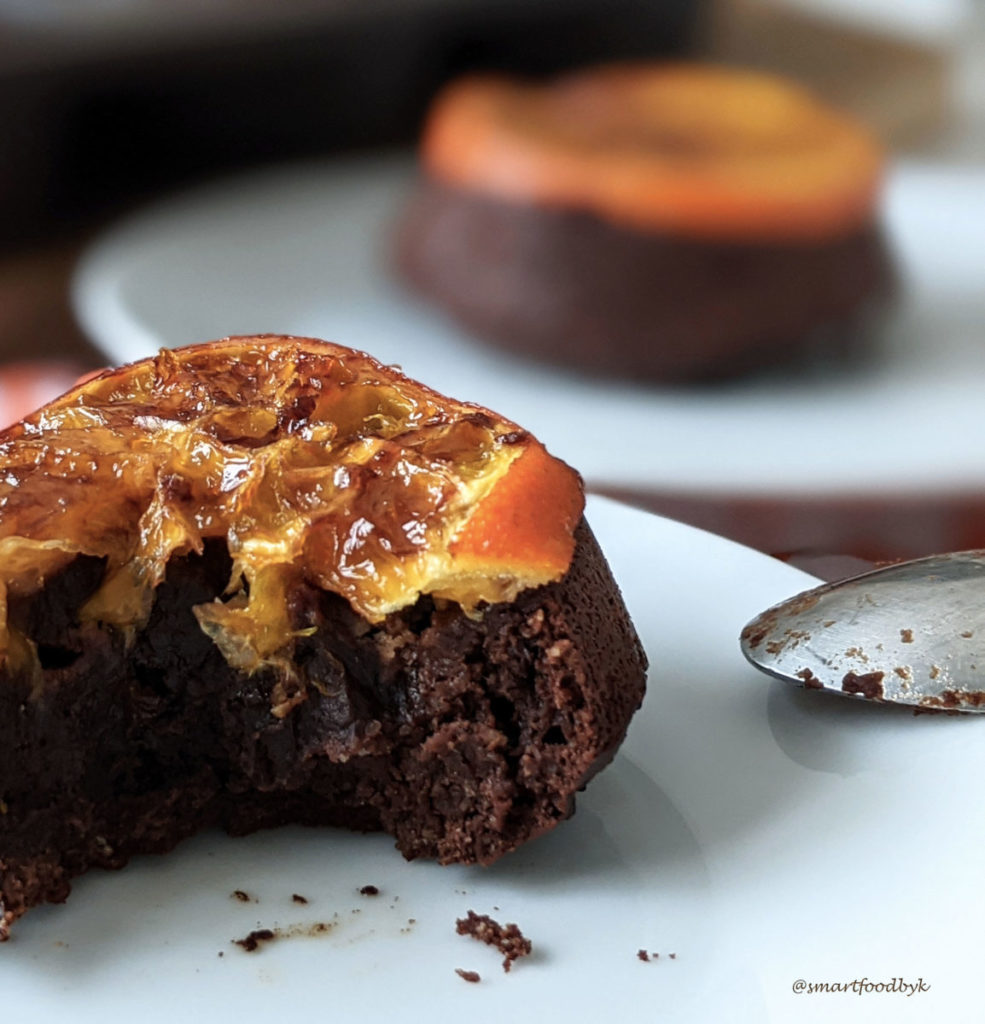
point(667, 223)
point(269, 580)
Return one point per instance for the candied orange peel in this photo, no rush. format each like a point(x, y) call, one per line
point(697, 150)
point(316, 463)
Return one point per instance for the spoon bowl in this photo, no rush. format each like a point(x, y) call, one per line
point(911, 633)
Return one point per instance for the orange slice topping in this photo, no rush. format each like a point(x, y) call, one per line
point(317, 464)
point(693, 150)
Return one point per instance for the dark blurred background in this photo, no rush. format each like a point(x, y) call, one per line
point(140, 96)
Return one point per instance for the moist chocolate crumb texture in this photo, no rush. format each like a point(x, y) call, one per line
point(269, 580)
point(665, 221)
point(508, 938)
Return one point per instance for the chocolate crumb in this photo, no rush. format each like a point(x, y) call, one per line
point(297, 898)
point(508, 938)
point(221, 953)
point(811, 682)
point(755, 637)
point(643, 955)
point(251, 942)
point(369, 890)
point(965, 698)
point(868, 685)
point(673, 956)
point(238, 894)
point(472, 976)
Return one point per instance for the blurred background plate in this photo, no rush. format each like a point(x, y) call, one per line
point(304, 249)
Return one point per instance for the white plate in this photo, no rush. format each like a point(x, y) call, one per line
point(760, 833)
point(303, 250)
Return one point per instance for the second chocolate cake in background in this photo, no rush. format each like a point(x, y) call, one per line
point(669, 223)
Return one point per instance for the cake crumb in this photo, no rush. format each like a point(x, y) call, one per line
point(297, 898)
point(643, 955)
point(472, 976)
point(250, 943)
point(369, 890)
point(673, 956)
point(243, 897)
point(508, 938)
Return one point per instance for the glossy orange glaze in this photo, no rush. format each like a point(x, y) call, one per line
point(506, 525)
point(693, 149)
point(313, 461)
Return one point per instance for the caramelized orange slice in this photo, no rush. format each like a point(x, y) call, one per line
point(691, 149)
point(314, 462)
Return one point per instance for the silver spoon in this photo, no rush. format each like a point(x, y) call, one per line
point(912, 633)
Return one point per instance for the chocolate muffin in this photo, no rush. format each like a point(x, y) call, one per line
point(269, 580)
point(670, 223)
